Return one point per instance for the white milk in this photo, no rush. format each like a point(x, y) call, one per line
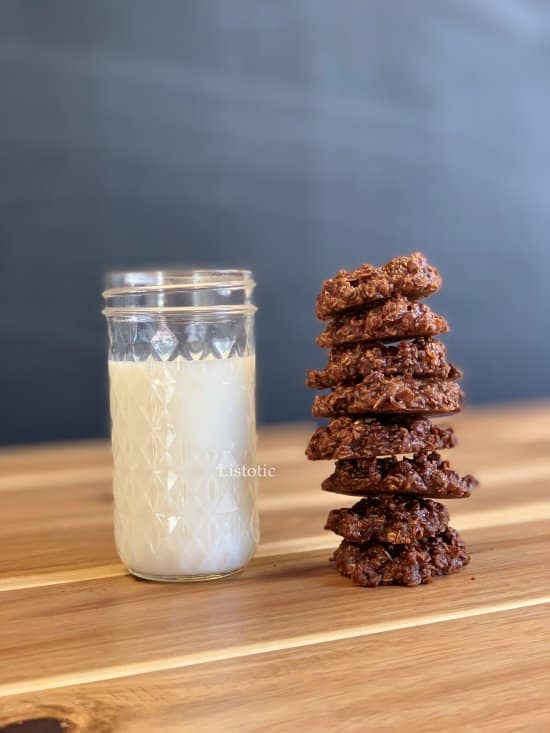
point(177, 427)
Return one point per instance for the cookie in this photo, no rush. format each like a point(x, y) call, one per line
point(344, 437)
point(410, 276)
point(421, 358)
point(394, 519)
point(393, 320)
point(380, 394)
point(372, 563)
point(426, 474)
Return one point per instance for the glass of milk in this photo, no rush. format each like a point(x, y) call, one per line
point(182, 396)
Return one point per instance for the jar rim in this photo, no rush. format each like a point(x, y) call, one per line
point(141, 281)
point(178, 292)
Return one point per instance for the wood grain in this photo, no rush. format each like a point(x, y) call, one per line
point(45, 546)
point(288, 640)
point(120, 626)
point(433, 677)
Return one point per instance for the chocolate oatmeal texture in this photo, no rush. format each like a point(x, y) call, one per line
point(390, 321)
point(423, 475)
point(345, 437)
point(374, 563)
point(380, 394)
point(411, 276)
point(422, 358)
point(397, 520)
point(386, 374)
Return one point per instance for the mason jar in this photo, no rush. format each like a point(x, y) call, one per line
point(182, 399)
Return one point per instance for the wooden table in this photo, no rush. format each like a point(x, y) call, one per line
point(289, 644)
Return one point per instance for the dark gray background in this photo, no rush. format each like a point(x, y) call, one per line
point(291, 137)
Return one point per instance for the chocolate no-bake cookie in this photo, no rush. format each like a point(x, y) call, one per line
point(380, 394)
point(421, 358)
point(345, 437)
point(393, 519)
point(386, 374)
point(411, 276)
point(426, 474)
point(371, 564)
point(393, 320)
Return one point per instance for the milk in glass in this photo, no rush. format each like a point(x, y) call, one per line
point(178, 428)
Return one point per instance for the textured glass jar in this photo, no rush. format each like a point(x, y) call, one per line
point(182, 395)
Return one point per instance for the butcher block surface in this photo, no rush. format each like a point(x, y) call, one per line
point(288, 645)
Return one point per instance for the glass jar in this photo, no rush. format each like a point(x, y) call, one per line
point(182, 396)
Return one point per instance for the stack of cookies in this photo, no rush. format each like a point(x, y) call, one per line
point(387, 374)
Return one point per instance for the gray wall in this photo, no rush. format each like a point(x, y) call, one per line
point(291, 137)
